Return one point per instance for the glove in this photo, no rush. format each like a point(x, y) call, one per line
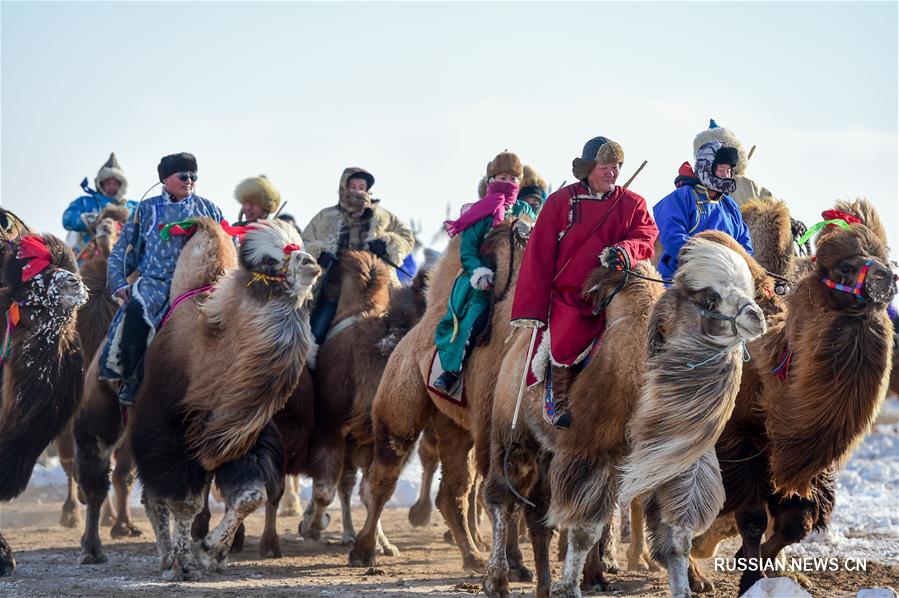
point(615, 258)
point(378, 247)
point(482, 279)
point(525, 323)
point(326, 259)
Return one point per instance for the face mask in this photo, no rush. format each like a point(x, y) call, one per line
point(505, 188)
point(705, 164)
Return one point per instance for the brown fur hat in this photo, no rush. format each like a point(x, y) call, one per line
point(258, 191)
point(598, 150)
point(504, 163)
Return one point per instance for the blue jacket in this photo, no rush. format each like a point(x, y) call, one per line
point(88, 204)
point(687, 211)
point(142, 249)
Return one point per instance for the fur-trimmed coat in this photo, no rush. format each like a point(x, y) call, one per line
point(573, 228)
point(332, 230)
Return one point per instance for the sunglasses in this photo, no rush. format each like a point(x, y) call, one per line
point(183, 176)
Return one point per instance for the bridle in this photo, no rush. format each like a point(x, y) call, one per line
point(714, 315)
point(856, 289)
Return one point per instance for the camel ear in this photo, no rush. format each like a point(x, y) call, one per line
point(656, 332)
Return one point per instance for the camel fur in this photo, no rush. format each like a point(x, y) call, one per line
point(42, 369)
point(402, 406)
point(194, 417)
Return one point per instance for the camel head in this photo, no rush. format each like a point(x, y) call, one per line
point(854, 265)
point(41, 277)
point(718, 283)
point(272, 253)
point(107, 228)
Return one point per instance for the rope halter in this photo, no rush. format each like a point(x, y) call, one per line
point(856, 289)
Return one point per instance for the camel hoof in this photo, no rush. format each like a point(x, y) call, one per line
point(125, 529)
point(598, 586)
point(348, 539)
point(71, 517)
point(496, 585)
point(561, 589)
point(388, 550)
point(801, 579)
point(702, 586)
point(611, 566)
point(313, 532)
point(176, 573)
point(420, 514)
point(270, 547)
point(475, 565)
point(520, 573)
point(448, 538)
point(362, 558)
point(636, 565)
point(92, 558)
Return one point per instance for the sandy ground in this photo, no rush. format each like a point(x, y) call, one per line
point(47, 555)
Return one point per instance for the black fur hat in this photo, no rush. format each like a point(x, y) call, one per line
point(173, 163)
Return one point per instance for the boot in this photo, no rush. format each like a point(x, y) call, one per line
point(446, 382)
point(561, 384)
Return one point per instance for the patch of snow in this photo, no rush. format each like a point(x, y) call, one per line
point(776, 587)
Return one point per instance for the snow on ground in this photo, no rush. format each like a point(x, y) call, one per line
point(865, 522)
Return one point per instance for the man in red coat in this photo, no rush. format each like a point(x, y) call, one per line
point(589, 222)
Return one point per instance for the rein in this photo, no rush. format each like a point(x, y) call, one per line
point(182, 298)
point(501, 296)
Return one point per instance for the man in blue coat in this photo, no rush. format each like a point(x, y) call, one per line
point(111, 187)
point(700, 202)
point(148, 247)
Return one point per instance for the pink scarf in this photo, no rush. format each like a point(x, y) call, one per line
point(500, 197)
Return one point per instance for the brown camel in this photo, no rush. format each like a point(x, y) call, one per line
point(93, 321)
point(814, 387)
point(193, 417)
point(520, 459)
point(372, 317)
point(42, 368)
point(403, 406)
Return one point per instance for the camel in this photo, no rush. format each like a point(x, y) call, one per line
point(372, 317)
point(520, 459)
point(42, 367)
point(93, 321)
point(403, 405)
point(199, 416)
point(798, 416)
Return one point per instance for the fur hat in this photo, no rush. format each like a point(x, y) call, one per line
point(258, 191)
point(598, 150)
point(504, 163)
point(112, 170)
point(727, 138)
point(532, 184)
point(173, 163)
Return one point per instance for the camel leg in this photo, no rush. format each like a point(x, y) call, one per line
point(270, 542)
point(184, 565)
point(609, 546)
point(107, 512)
point(496, 580)
point(420, 512)
point(123, 481)
point(638, 558)
point(540, 532)
point(92, 472)
point(581, 540)
point(200, 527)
point(246, 483)
point(475, 510)
point(290, 504)
point(345, 493)
point(705, 546)
point(670, 546)
point(159, 516)
point(752, 522)
point(400, 410)
point(7, 561)
point(383, 545)
point(324, 489)
point(65, 445)
point(452, 496)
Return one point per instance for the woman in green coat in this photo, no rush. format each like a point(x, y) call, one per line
point(469, 302)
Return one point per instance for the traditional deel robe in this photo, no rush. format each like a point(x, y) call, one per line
point(572, 229)
point(466, 304)
point(141, 247)
point(689, 210)
point(74, 219)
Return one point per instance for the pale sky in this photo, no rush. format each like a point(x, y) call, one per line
point(425, 94)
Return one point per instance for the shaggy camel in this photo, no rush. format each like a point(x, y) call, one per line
point(709, 296)
point(372, 317)
point(520, 459)
point(403, 405)
point(814, 387)
point(42, 368)
point(93, 321)
point(192, 418)
point(697, 342)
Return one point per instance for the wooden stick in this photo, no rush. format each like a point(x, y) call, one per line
point(524, 377)
point(633, 176)
point(751, 151)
